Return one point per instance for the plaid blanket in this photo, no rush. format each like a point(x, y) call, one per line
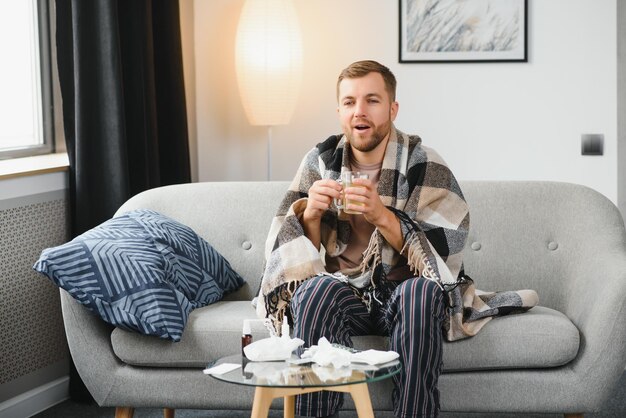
point(416, 184)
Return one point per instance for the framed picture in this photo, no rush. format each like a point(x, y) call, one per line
point(463, 30)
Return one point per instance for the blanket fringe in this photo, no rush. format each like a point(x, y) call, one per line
point(418, 260)
point(372, 255)
point(276, 311)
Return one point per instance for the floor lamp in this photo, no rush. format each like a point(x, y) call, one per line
point(268, 62)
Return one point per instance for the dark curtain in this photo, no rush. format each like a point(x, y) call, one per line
point(121, 75)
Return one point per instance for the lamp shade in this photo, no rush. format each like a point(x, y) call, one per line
point(268, 60)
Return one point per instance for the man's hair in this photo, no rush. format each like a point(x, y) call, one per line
point(362, 68)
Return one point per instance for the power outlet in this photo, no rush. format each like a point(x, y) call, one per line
point(592, 144)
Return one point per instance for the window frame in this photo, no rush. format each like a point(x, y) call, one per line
point(45, 77)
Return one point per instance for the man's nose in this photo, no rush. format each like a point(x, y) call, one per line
point(359, 109)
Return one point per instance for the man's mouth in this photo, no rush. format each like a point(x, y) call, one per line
point(361, 127)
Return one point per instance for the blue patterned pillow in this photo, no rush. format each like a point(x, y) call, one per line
point(141, 271)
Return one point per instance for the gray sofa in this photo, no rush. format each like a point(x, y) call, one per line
point(564, 356)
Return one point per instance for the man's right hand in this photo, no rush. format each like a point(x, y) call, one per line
point(321, 195)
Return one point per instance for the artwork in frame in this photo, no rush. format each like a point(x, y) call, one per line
point(463, 30)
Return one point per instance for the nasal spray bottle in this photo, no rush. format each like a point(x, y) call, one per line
point(246, 337)
point(284, 330)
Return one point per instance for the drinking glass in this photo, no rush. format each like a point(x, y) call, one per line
point(346, 179)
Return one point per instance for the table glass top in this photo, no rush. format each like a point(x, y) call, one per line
point(283, 374)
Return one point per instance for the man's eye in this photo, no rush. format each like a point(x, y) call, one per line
point(348, 103)
point(373, 100)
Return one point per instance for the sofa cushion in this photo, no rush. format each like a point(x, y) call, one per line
point(211, 332)
point(539, 338)
point(141, 271)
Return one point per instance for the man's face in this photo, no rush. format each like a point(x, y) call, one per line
point(365, 111)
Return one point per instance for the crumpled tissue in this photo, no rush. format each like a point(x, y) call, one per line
point(272, 348)
point(326, 354)
point(374, 357)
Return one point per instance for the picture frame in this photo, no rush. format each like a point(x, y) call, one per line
point(453, 31)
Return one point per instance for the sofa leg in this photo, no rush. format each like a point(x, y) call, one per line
point(573, 415)
point(168, 412)
point(124, 412)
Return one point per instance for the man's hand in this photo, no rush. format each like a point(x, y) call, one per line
point(321, 195)
point(364, 191)
point(374, 211)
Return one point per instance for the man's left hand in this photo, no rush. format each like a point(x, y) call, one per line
point(364, 191)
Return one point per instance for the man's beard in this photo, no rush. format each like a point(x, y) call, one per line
point(368, 144)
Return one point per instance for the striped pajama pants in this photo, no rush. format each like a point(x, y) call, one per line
point(412, 318)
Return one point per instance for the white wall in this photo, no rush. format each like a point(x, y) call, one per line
point(621, 106)
point(489, 121)
point(189, 69)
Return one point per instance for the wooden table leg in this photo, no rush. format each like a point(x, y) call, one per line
point(362, 401)
point(290, 406)
point(263, 397)
point(124, 412)
point(262, 401)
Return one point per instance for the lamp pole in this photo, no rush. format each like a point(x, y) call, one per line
point(269, 153)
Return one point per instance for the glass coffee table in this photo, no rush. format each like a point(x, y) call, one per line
point(277, 379)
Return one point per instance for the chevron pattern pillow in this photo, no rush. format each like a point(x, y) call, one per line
point(141, 271)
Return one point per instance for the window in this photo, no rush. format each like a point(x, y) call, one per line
point(25, 85)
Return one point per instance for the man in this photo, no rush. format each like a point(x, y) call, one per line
point(382, 271)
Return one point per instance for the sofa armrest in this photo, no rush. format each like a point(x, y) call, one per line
point(594, 300)
point(89, 340)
